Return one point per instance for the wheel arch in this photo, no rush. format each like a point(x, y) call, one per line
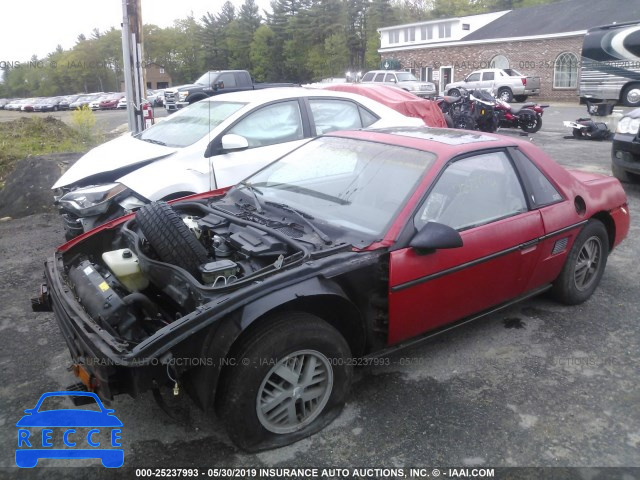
point(322, 298)
point(196, 98)
point(609, 224)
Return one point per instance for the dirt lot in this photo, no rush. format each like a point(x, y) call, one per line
point(539, 384)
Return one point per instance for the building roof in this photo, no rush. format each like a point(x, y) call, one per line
point(559, 17)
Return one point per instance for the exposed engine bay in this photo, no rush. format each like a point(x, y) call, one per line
point(167, 262)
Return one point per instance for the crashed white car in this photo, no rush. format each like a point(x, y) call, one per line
point(211, 144)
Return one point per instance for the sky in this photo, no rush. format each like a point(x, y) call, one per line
point(38, 26)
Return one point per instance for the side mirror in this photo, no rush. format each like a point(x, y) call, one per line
point(466, 79)
point(218, 86)
point(434, 236)
point(228, 143)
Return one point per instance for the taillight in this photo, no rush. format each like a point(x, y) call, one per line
point(524, 81)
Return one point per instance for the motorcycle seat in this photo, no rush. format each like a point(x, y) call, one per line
point(450, 99)
point(516, 108)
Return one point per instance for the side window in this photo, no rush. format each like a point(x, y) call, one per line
point(367, 117)
point(228, 79)
point(331, 114)
point(542, 192)
point(390, 77)
point(474, 191)
point(488, 76)
point(473, 77)
point(368, 77)
point(379, 77)
point(275, 123)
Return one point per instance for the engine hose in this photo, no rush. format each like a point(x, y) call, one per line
point(143, 302)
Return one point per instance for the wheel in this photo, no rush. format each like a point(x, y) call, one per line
point(505, 94)
point(577, 133)
point(55, 108)
point(170, 237)
point(585, 264)
point(520, 98)
point(454, 92)
point(631, 95)
point(532, 124)
point(296, 380)
point(464, 122)
point(620, 173)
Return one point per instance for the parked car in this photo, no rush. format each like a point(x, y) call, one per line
point(84, 101)
point(3, 102)
point(122, 103)
point(625, 149)
point(67, 101)
point(405, 80)
point(213, 83)
point(394, 97)
point(95, 103)
point(111, 101)
point(27, 105)
point(48, 104)
point(214, 143)
point(156, 97)
point(16, 104)
point(259, 300)
point(506, 84)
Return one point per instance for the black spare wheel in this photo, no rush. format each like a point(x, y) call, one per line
point(170, 237)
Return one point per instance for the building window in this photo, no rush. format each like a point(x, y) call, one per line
point(499, 61)
point(427, 32)
point(444, 30)
point(394, 36)
point(162, 70)
point(410, 35)
point(565, 71)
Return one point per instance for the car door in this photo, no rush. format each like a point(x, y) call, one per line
point(472, 81)
point(488, 81)
point(481, 196)
point(270, 130)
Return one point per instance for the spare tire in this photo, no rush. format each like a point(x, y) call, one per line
point(170, 237)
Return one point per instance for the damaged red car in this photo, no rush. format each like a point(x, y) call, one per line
point(256, 301)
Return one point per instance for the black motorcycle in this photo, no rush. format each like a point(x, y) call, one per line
point(470, 111)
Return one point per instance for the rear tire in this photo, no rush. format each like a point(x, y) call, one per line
point(290, 379)
point(454, 92)
point(584, 266)
point(521, 98)
point(533, 125)
point(170, 237)
point(505, 94)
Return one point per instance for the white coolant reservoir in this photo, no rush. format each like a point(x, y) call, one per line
point(124, 265)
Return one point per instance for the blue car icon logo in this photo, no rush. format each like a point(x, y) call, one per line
point(84, 433)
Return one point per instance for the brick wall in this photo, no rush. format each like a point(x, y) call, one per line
point(530, 57)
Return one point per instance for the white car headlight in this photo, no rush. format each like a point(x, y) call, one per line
point(91, 200)
point(182, 96)
point(628, 125)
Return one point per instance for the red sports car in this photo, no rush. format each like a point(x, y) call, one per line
point(257, 300)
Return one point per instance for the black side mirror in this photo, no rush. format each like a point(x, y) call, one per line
point(434, 236)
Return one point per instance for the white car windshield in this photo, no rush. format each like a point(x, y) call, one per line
point(191, 124)
point(352, 184)
point(406, 77)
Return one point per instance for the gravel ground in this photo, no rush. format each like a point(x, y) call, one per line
point(539, 384)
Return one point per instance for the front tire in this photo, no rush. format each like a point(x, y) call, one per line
point(620, 173)
point(290, 380)
point(454, 92)
point(464, 122)
point(584, 266)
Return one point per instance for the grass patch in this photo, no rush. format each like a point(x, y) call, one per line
point(38, 136)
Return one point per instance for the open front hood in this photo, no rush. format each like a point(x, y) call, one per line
point(121, 152)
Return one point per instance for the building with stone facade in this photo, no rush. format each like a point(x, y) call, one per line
point(544, 41)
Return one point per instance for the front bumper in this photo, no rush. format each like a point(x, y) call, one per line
point(625, 152)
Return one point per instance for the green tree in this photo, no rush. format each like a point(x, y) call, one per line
point(262, 55)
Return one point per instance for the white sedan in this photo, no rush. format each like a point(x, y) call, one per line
point(213, 143)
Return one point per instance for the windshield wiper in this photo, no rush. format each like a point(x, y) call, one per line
point(305, 218)
point(152, 140)
point(254, 192)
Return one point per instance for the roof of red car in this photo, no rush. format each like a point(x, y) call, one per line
point(441, 141)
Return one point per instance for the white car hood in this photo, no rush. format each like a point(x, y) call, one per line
point(121, 152)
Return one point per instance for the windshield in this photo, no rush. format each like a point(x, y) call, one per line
point(513, 73)
point(191, 124)
point(354, 184)
point(406, 77)
point(206, 79)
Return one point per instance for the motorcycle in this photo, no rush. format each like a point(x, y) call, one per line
point(470, 111)
point(586, 128)
point(527, 116)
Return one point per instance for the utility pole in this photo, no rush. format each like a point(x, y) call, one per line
point(135, 85)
